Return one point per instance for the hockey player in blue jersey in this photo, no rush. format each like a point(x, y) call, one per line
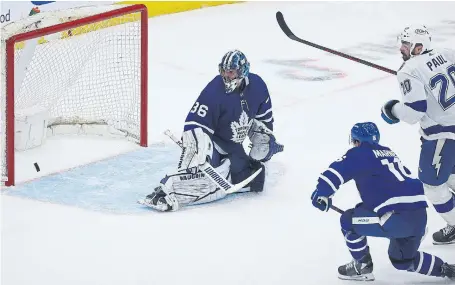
point(393, 206)
point(427, 85)
point(234, 106)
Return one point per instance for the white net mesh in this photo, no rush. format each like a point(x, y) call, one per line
point(85, 75)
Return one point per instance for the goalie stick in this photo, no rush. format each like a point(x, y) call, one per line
point(215, 176)
point(285, 28)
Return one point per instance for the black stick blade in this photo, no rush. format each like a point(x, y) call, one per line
point(284, 27)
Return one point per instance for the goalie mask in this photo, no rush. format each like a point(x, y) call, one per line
point(233, 68)
point(411, 37)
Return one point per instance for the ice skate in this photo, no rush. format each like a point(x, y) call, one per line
point(361, 270)
point(444, 236)
point(448, 270)
point(160, 200)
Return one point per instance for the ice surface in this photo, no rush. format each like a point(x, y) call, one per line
point(275, 237)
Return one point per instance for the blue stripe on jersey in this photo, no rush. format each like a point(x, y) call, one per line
point(436, 129)
point(419, 106)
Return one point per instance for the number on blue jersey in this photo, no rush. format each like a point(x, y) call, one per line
point(199, 109)
point(400, 172)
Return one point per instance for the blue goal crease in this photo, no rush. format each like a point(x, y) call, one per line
point(113, 185)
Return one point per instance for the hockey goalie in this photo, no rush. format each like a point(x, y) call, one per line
point(235, 105)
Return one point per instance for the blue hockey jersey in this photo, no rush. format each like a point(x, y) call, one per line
point(227, 118)
point(383, 182)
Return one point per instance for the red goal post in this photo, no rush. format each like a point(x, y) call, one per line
point(80, 70)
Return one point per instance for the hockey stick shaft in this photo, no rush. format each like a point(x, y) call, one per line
point(336, 209)
point(285, 28)
point(214, 175)
point(173, 138)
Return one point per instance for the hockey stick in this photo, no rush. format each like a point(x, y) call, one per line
point(336, 209)
point(215, 176)
point(290, 34)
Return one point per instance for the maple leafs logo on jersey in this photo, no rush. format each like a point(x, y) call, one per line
point(240, 129)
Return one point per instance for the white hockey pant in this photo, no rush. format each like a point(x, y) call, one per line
point(442, 199)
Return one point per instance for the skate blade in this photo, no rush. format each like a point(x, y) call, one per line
point(363, 277)
point(142, 202)
point(443, 243)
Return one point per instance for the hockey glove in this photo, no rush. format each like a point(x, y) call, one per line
point(321, 201)
point(197, 149)
point(263, 142)
point(386, 112)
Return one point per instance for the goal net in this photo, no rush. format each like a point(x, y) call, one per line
point(74, 71)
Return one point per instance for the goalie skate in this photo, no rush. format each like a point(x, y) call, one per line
point(160, 201)
point(361, 270)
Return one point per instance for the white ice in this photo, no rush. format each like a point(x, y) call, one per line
point(276, 237)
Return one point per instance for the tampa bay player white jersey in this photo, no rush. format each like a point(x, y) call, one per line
point(427, 83)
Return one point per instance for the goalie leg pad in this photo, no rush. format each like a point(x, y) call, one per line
point(196, 188)
point(197, 148)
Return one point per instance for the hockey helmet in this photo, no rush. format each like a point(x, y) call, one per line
point(414, 35)
point(233, 68)
point(365, 132)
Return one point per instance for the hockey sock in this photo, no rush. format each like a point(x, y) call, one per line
point(427, 264)
point(357, 244)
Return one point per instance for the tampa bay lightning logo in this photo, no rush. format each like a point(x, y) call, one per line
point(240, 129)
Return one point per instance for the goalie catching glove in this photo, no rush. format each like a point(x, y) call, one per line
point(197, 149)
point(263, 142)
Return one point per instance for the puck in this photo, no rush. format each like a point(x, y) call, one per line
point(36, 167)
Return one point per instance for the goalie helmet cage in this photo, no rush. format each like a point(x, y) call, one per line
point(93, 73)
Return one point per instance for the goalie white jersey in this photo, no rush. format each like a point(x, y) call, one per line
point(427, 83)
